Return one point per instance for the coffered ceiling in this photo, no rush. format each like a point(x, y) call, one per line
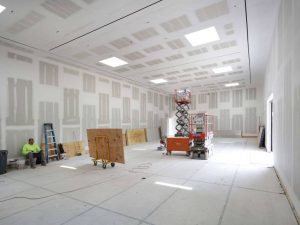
point(150, 36)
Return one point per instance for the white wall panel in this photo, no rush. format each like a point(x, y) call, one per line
point(226, 117)
point(283, 81)
point(35, 90)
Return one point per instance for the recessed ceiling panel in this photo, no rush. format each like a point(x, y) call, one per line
point(101, 50)
point(122, 70)
point(223, 45)
point(154, 62)
point(29, 20)
point(89, 1)
point(173, 72)
point(153, 48)
point(190, 69)
point(121, 42)
point(176, 44)
point(145, 34)
point(176, 24)
point(197, 51)
point(212, 11)
point(81, 55)
point(137, 66)
point(61, 8)
point(174, 57)
point(134, 56)
point(231, 61)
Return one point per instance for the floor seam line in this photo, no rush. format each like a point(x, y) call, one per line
point(229, 194)
point(74, 217)
point(157, 207)
point(55, 194)
point(118, 213)
point(253, 189)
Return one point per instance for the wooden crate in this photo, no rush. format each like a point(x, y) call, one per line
point(136, 136)
point(106, 144)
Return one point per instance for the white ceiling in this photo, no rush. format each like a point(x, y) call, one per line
point(149, 35)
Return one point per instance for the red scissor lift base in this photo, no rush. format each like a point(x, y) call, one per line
point(200, 133)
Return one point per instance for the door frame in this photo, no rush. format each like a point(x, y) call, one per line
point(270, 124)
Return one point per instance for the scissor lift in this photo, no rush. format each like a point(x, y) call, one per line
point(194, 131)
point(201, 134)
point(183, 100)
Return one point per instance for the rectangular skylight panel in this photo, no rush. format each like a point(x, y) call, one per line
point(113, 62)
point(158, 81)
point(231, 84)
point(222, 69)
point(2, 8)
point(202, 37)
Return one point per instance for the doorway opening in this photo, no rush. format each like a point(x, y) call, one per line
point(270, 124)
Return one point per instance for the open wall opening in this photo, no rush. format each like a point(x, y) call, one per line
point(270, 124)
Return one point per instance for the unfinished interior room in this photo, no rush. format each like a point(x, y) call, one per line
point(149, 112)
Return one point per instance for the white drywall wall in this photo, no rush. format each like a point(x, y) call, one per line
point(36, 89)
point(283, 80)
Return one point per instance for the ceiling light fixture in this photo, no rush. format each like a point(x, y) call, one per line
point(232, 84)
point(159, 81)
point(202, 37)
point(2, 8)
point(113, 62)
point(222, 69)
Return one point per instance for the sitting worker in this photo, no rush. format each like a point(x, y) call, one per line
point(31, 151)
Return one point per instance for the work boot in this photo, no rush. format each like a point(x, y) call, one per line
point(43, 163)
point(31, 160)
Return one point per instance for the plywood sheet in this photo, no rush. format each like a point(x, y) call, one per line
point(106, 144)
point(135, 136)
point(51, 146)
point(152, 134)
point(124, 140)
point(73, 148)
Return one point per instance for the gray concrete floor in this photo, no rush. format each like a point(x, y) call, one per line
point(237, 185)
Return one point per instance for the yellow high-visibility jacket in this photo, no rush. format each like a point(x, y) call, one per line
point(30, 148)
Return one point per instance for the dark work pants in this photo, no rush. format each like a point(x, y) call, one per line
point(38, 157)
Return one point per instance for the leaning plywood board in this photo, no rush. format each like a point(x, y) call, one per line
point(50, 146)
point(135, 136)
point(73, 148)
point(124, 139)
point(106, 144)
